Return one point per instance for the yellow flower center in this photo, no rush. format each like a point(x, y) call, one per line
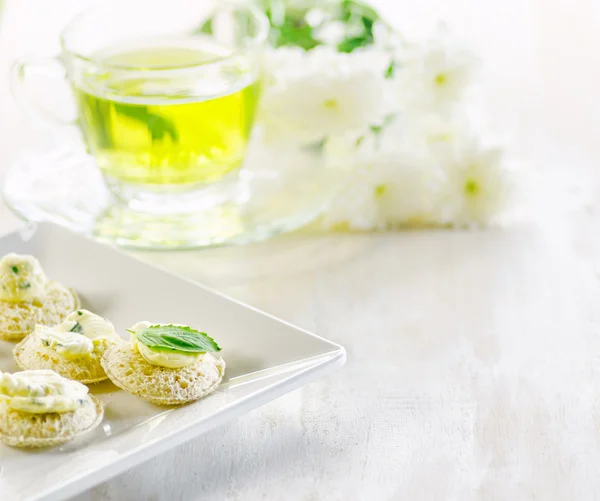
point(440, 79)
point(380, 190)
point(471, 187)
point(442, 138)
point(330, 104)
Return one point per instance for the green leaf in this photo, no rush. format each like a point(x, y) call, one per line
point(176, 338)
point(205, 27)
point(79, 313)
point(158, 126)
point(359, 20)
point(294, 32)
point(350, 44)
point(77, 328)
point(388, 119)
point(391, 69)
point(289, 24)
point(360, 9)
point(15, 270)
point(368, 25)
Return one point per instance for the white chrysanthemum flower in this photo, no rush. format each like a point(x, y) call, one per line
point(477, 185)
point(384, 194)
point(394, 133)
point(388, 185)
point(435, 74)
point(324, 93)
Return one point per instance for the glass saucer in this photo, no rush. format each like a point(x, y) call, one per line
point(64, 186)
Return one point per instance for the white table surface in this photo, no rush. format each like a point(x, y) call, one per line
point(473, 358)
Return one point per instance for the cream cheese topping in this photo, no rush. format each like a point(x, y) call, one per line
point(161, 358)
point(21, 279)
point(78, 334)
point(41, 391)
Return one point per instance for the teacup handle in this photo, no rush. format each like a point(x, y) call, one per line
point(20, 73)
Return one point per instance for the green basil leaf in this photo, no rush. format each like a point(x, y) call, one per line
point(176, 338)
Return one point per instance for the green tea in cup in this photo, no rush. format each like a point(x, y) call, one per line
point(148, 123)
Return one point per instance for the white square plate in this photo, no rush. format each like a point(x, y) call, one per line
point(265, 358)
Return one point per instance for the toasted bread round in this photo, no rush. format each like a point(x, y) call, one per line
point(19, 319)
point(128, 370)
point(32, 354)
point(22, 429)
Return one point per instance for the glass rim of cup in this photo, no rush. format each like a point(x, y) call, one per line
point(255, 41)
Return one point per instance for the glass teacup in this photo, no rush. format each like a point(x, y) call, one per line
point(166, 93)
